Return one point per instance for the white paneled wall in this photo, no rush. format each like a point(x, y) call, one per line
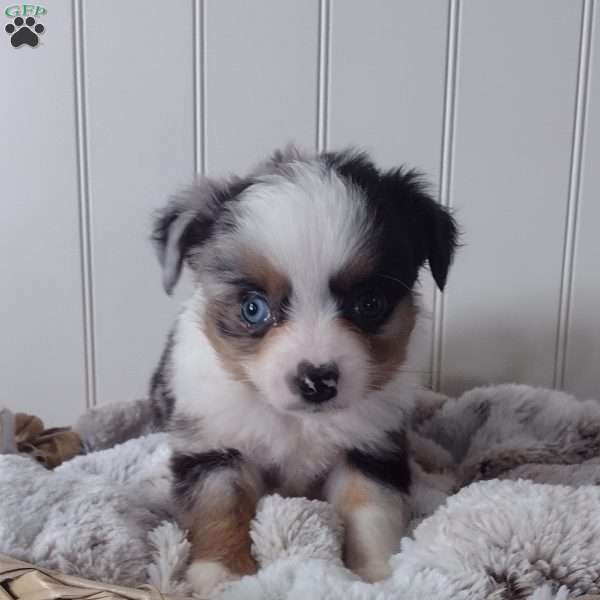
point(581, 365)
point(139, 109)
point(260, 84)
point(515, 100)
point(121, 103)
point(42, 352)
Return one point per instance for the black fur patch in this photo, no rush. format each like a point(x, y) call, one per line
point(388, 466)
point(414, 228)
point(388, 288)
point(272, 478)
point(190, 469)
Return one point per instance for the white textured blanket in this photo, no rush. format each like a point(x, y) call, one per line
point(107, 515)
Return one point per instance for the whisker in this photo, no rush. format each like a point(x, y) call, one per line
point(396, 280)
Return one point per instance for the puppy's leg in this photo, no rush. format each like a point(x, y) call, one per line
point(216, 493)
point(370, 491)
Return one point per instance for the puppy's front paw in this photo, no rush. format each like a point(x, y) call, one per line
point(204, 576)
point(374, 572)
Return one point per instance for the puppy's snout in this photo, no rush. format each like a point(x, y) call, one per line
point(316, 384)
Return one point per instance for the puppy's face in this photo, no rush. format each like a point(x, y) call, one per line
point(306, 271)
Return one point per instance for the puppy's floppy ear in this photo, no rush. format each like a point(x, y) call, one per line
point(431, 225)
point(441, 235)
point(188, 221)
point(171, 235)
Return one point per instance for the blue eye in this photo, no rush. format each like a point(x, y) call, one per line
point(255, 309)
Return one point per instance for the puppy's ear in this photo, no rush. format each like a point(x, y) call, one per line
point(188, 221)
point(441, 238)
point(172, 235)
point(430, 225)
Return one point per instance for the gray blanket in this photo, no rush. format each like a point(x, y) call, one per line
point(107, 515)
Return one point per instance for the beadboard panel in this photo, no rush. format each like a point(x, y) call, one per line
point(261, 79)
point(510, 181)
point(582, 372)
point(112, 112)
point(141, 140)
point(42, 354)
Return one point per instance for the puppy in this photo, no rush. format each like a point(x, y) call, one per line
point(282, 371)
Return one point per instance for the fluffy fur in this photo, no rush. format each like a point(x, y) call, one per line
point(499, 539)
point(309, 400)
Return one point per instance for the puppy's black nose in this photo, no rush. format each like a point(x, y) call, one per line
point(316, 384)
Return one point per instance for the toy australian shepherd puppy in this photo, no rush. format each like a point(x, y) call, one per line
point(282, 372)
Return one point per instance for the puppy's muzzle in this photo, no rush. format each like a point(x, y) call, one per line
point(315, 384)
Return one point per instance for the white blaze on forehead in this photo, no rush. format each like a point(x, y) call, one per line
point(309, 226)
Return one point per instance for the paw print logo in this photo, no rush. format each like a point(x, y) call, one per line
point(24, 32)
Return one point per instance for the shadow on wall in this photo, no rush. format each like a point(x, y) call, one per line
point(491, 352)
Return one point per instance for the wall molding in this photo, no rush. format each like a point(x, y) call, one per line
point(323, 71)
point(573, 198)
point(85, 209)
point(448, 127)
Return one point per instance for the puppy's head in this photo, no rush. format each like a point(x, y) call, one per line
point(306, 271)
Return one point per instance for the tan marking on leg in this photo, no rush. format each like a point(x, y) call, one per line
point(353, 494)
point(374, 518)
point(222, 533)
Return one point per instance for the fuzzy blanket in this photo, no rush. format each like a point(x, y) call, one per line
point(505, 506)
